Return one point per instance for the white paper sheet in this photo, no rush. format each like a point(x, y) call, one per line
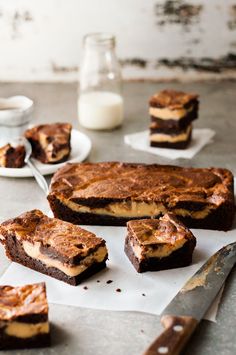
point(159, 287)
point(200, 137)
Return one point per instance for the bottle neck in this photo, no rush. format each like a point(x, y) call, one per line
point(99, 42)
point(100, 69)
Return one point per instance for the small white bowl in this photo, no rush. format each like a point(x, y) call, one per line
point(15, 114)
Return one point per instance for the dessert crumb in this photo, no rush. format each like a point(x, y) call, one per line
point(118, 290)
point(109, 281)
point(98, 280)
point(142, 331)
point(85, 287)
point(143, 294)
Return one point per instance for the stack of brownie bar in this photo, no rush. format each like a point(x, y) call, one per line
point(172, 113)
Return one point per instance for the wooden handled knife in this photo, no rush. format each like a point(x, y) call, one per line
point(188, 307)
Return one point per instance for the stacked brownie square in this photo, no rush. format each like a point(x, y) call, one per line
point(172, 113)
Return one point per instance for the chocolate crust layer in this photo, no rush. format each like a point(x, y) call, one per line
point(10, 342)
point(179, 258)
point(16, 253)
point(219, 219)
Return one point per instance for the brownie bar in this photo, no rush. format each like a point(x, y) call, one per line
point(113, 193)
point(12, 157)
point(24, 317)
point(182, 144)
point(171, 125)
point(50, 142)
point(53, 247)
point(179, 258)
point(153, 245)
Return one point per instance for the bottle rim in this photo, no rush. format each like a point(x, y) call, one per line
point(99, 39)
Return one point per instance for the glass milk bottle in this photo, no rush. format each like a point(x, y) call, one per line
point(100, 104)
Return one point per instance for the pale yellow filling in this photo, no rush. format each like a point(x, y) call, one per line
point(162, 137)
point(135, 209)
point(26, 330)
point(3, 161)
point(33, 250)
point(167, 114)
point(160, 252)
point(195, 214)
point(59, 155)
point(48, 148)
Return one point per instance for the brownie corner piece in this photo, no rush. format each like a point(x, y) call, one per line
point(50, 142)
point(24, 320)
point(53, 247)
point(159, 244)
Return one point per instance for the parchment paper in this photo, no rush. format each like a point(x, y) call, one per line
point(148, 292)
point(200, 137)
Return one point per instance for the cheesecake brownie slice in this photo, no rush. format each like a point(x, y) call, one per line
point(53, 247)
point(172, 113)
point(112, 193)
point(179, 139)
point(12, 157)
point(159, 244)
point(50, 142)
point(24, 317)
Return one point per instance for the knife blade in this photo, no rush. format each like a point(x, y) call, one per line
point(188, 307)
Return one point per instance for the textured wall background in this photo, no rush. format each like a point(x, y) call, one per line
point(41, 40)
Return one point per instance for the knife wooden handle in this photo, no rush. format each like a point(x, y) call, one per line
point(173, 339)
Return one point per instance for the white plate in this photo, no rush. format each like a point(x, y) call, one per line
point(80, 149)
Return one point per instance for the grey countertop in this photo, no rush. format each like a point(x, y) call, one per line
point(94, 332)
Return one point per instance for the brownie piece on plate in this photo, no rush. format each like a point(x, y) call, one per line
point(50, 142)
point(159, 244)
point(112, 193)
point(24, 317)
point(53, 247)
point(172, 113)
point(12, 157)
